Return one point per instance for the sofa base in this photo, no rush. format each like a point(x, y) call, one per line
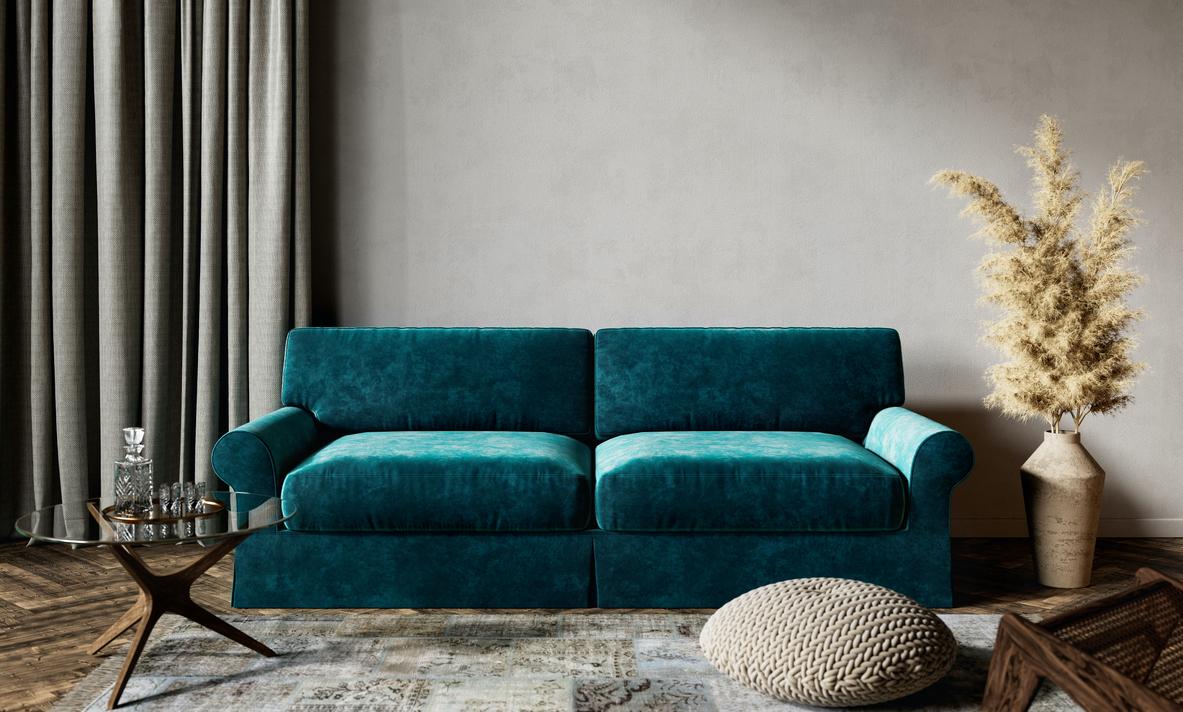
point(571, 569)
point(687, 570)
point(397, 570)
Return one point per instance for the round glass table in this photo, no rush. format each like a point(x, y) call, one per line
point(219, 522)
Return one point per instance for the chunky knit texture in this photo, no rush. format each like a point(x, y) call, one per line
point(829, 642)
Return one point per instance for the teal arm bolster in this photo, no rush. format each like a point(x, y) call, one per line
point(932, 457)
point(256, 456)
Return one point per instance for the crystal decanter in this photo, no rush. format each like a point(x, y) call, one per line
point(133, 475)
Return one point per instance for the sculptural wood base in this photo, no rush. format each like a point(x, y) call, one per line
point(1025, 652)
point(165, 593)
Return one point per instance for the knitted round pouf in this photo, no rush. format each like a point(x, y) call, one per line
point(829, 642)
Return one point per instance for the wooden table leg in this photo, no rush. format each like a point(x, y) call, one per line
point(127, 620)
point(166, 593)
point(1012, 681)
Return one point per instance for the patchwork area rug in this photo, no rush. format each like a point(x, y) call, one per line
point(497, 662)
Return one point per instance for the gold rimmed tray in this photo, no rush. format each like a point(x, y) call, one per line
point(210, 507)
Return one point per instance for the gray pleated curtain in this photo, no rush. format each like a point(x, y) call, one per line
point(155, 221)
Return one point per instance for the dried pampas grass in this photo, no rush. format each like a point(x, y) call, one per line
point(1064, 324)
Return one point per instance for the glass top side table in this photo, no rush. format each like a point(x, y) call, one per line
point(224, 521)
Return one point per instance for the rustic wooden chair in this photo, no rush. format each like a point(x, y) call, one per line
point(1121, 653)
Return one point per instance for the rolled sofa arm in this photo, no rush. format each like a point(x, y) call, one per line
point(933, 457)
point(256, 456)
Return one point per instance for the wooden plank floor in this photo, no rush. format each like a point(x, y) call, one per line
point(54, 600)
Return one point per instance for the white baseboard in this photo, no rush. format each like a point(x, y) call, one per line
point(1017, 527)
point(1170, 528)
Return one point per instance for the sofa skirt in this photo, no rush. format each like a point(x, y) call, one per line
point(289, 569)
point(681, 570)
point(584, 569)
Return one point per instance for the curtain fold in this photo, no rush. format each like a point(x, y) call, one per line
point(117, 55)
point(161, 388)
point(154, 225)
point(68, 411)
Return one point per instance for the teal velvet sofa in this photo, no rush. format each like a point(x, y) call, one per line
point(450, 467)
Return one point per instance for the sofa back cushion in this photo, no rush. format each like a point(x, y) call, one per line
point(828, 380)
point(362, 379)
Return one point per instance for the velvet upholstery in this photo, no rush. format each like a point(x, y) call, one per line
point(823, 380)
point(414, 570)
point(255, 457)
point(561, 569)
point(705, 570)
point(350, 451)
point(442, 481)
point(933, 458)
point(441, 379)
point(744, 481)
point(699, 569)
point(926, 452)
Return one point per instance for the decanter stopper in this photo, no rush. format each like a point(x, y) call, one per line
point(133, 439)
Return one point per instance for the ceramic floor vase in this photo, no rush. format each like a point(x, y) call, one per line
point(1062, 486)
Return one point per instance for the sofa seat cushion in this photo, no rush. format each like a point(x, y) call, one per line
point(442, 481)
point(745, 481)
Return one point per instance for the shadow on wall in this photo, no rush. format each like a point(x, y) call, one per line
point(989, 503)
point(359, 163)
point(323, 147)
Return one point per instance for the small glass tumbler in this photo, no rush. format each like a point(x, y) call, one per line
point(164, 493)
point(177, 500)
point(201, 492)
point(190, 490)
